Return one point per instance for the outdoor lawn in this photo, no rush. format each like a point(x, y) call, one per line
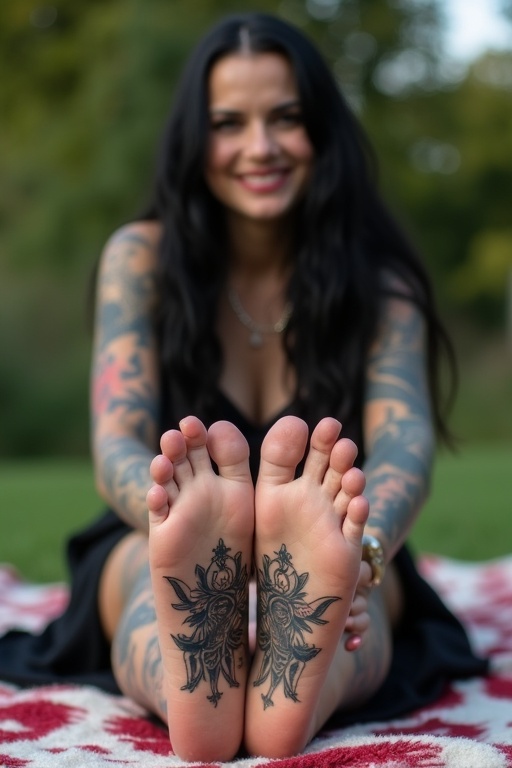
point(467, 517)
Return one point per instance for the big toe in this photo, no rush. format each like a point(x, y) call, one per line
point(282, 450)
point(229, 450)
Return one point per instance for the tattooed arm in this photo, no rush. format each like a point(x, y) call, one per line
point(399, 435)
point(125, 384)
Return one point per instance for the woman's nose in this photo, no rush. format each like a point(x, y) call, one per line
point(261, 142)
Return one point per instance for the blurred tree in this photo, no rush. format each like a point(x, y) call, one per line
point(459, 187)
point(89, 85)
point(443, 135)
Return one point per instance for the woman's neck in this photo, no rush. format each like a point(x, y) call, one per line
point(259, 247)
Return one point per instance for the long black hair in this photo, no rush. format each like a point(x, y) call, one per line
point(345, 241)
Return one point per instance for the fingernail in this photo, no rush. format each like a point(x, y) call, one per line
point(353, 642)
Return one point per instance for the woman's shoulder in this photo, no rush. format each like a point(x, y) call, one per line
point(133, 248)
point(145, 235)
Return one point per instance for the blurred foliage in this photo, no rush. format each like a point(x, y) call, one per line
point(85, 89)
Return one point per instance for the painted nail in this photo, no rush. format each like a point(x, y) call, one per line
point(353, 642)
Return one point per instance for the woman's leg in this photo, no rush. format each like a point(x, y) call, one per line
point(179, 635)
point(127, 610)
point(308, 552)
point(292, 516)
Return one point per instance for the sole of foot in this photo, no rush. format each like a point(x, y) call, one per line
point(200, 548)
point(308, 532)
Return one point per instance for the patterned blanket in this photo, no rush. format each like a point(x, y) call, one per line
point(469, 727)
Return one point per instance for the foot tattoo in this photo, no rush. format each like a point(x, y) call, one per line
point(217, 608)
point(283, 618)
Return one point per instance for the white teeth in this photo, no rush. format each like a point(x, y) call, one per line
point(268, 178)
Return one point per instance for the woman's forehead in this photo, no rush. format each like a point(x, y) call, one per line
point(238, 78)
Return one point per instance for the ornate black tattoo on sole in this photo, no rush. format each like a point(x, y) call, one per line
point(217, 609)
point(283, 618)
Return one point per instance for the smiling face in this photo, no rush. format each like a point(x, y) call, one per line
point(259, 158)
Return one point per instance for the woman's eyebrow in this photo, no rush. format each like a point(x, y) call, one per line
point(292, 104)
point(228, 112)
point(224, 111)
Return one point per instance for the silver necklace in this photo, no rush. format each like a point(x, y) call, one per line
point(257, 331)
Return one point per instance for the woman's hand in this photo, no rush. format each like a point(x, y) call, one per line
point(359, 618)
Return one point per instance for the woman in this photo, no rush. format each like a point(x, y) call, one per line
point(269, 293)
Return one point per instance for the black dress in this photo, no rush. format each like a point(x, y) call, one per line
point(430, 645)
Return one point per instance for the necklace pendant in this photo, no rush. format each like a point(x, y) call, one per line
point(256, 340)
point(256, 331)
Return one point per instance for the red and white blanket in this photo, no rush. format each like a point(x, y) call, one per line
point(469, 727)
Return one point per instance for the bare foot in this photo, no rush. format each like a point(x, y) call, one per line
point(200, 544)
point(308, 554)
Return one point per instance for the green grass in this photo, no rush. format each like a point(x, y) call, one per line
point(40, 503)
point(467, 516)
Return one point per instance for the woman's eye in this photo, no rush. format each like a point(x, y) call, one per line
point(290, 119)
point(227, 124)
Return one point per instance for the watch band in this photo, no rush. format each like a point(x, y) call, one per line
point(373, 554)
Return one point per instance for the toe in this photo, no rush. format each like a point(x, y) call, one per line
point(195, 435)
point(229, 450)
point(157, 501)
point(342, 458)
point(353, 482)
point(355, 519)
point(162, 474)
point(323, 440)
point(174, 447)
point(161, 469)
point(282, 450)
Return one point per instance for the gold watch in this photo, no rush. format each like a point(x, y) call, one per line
point(373, 554)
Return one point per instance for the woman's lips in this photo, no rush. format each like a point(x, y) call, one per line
point(264, 181)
